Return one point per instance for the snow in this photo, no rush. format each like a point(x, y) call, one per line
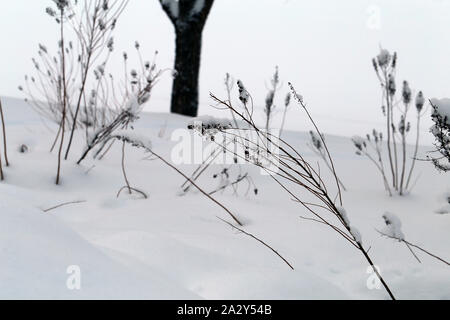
point(136, 138)
point(209, 123)
point(133, 106)
point(343, 213)
point(353, 230)
point(173, 6)
point(444, 209)
point(356, 234)
point(198, 6)
point(175, 247)
point(393, 226)
point(36, 250)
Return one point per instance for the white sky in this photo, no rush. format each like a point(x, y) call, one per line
point(323, 47)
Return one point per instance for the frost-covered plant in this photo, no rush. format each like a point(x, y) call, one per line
point(397, 127)
point(375, 142)
point(318, 148)
point(441, 132)
point(226, 181)
point(114, 95)
point(134, 94)
point(287, 102)
point(58, 88)
point(229, 176)
point(269, 108)
point(61, 16)
point(295, 175)
point(232, 175)
point(141, 142)
point(103, 135)
point(393, 230)
point(89, 27)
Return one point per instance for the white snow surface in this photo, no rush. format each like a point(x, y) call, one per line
point(175, 247)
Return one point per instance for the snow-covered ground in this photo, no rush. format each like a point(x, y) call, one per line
point(172, 246)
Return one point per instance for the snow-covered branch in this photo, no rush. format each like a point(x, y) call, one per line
point(393, 230)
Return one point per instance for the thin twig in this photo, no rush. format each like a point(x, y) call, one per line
point(4, 135)
point(64, 204)
point(260, 241)
point(196, 186)
point(239, 179)
point(64, 97)
point(304, 176)
point(412, 252)
point(415, 246)
point(132, 189)
point(142, 145)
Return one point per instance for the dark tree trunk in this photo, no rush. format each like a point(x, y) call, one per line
point(187, 68)
point(188, 18)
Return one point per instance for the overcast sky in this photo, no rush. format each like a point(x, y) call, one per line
point(323, 47)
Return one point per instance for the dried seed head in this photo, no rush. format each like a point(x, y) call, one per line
point(243, 93)
point(392, 88)
point(287, 100)
point(394, 60)
point(406, 93)
point(383, 58)
point(375, 65)
point(420, 101)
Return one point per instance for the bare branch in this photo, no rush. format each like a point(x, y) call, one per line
point(260, 241)
point(63, 205)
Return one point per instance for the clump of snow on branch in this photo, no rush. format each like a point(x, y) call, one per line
point(393, 228)
point(356, 234)
point(173, 6)
point(134, 138)
point(353, 230)
point(209, 124)
point(445, 209)
point(198, 6)
point(343, 214)
point(102, 135)
point(134, 107)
